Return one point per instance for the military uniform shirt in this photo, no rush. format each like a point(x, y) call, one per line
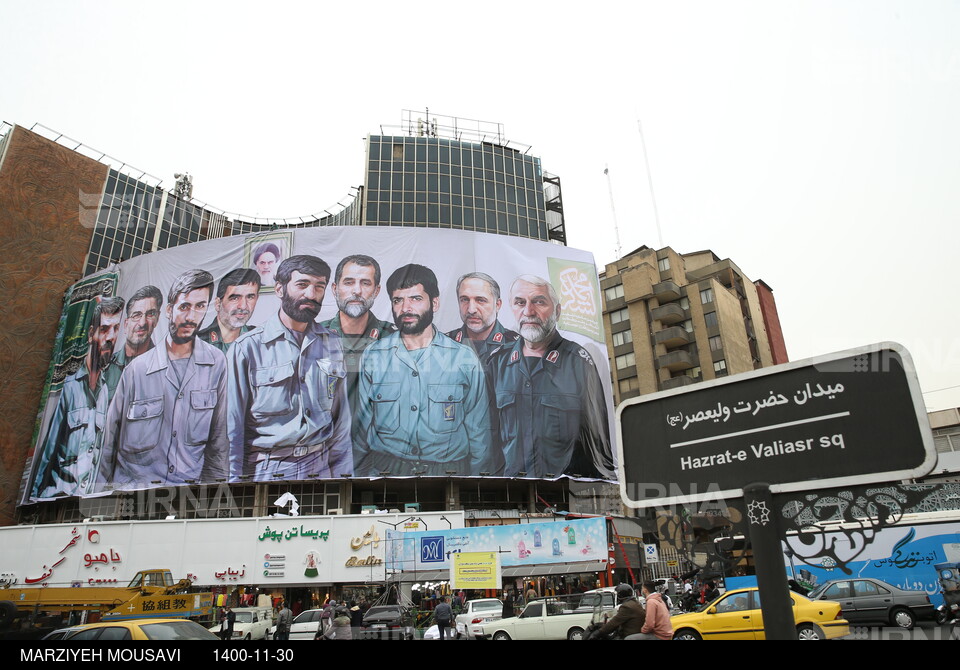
point(424, 412)
point(498, 338)
point(551, 417)
point(287, 399)
point(353, 348)
point(71, 450)
point(161, 428)
point(212, 335)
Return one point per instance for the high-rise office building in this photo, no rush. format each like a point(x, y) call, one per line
point(675, 319)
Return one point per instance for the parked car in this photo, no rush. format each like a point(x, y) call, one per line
point(554, 618)
point(387, 622)
point(736, 615)
point(867, 600)
point(61, 633)
point(142, 629)
point(252, 623)
point(476, 613)
point(304, 626)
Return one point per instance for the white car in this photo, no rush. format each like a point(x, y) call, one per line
point(475, 613)
point(252, 623)
point(304, 626)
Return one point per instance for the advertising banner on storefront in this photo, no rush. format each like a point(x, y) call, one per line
point(335, 352)
point(567, 541)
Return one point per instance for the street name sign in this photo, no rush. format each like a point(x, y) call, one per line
point(849, 418)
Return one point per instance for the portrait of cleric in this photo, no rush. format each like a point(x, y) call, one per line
point(167, 420)
point(549, 411)
point(70, 454)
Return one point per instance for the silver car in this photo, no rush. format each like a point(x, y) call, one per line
point(865, 600)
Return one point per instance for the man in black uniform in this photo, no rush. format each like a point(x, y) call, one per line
point(478, 296)
point(550, 410)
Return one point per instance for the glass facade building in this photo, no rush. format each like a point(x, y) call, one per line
point(410, 180)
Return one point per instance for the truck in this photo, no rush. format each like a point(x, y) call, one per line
point(150, 594)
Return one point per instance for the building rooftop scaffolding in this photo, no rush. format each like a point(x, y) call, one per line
point(425, 124)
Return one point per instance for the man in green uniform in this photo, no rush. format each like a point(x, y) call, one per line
point(237, 295)
point(356, 286)
point(478, 297)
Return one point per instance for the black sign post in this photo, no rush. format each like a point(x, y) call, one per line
point(845, 419)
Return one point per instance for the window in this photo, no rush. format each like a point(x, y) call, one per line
point(614, 292)
point(623, 337)
point(687, 325)
point(720, 367)
point(684, 302)
point(706, 295)
point(619, 316)
point(629, 384)
point(716, 343)
point(711, 319)
point(663, 264)
point(626, 361)
point(693, 373)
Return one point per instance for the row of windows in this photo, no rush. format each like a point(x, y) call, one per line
point(422, 150)
point(408, 187)
point(442, 216)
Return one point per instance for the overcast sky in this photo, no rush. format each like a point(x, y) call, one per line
point(816, 144)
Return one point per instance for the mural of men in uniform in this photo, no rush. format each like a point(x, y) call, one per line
point(423, 405)
point(71, 454)
point(356, 286)
point(478, 296)
point(551, 412)
point(289, 414)
point(167, 420)
point(143, 313)
point(237, 295)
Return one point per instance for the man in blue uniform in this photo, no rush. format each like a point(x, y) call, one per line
point(423, 406)
point(356, 286)
point(478, 297)
point(71, 452)
point(167, 419)
point(237, 295)
point(288, 408)
point(551, 411)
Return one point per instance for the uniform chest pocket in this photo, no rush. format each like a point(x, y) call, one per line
point(273, 391)
point(561, 414)
point(446, 407)
point(385, 400)
point(142, 425)
point(332, 375)
point(202, 404)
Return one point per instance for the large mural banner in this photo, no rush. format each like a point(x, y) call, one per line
point(332, 352)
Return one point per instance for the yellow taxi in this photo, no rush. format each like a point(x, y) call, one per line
point(736, 615)
point(142, 629)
